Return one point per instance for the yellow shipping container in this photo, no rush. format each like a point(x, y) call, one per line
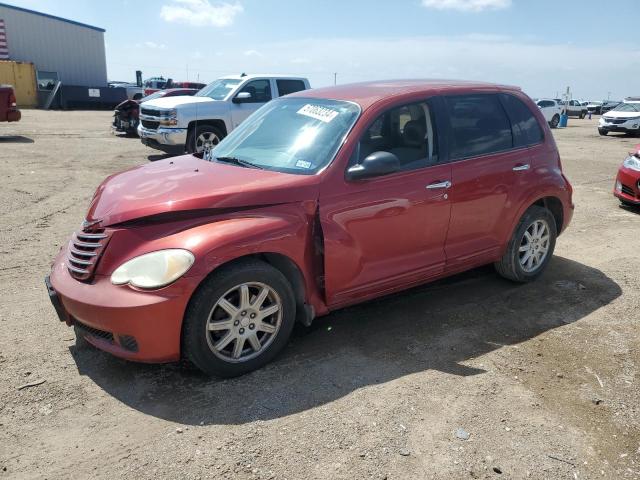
point(22, 76)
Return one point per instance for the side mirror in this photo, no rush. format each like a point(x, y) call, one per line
point(374, 165)
point(242, 97)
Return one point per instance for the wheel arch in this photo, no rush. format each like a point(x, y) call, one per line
point(554, 205)
point(218, 123)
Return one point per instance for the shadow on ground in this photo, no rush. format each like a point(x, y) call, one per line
point(15, 139)
point(438, 326)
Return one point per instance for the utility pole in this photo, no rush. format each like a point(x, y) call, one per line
point(608, 95)
point(335, 78)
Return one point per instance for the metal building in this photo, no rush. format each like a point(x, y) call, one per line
point(60, 49)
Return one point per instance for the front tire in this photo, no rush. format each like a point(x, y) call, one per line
point(531, 246)
point(202, 138)
point(555, 121)
point(238, 319)
point(602, 132)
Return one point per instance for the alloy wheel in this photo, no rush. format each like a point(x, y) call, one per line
point(244, 322)
point(534, 246)
point(206, 141)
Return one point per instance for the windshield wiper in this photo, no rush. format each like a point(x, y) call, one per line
point(239, 161)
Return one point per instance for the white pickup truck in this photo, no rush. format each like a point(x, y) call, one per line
point(199, 122)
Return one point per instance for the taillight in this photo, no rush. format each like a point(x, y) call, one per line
point(12, 100)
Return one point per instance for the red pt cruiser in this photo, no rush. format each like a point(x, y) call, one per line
point(319, 200)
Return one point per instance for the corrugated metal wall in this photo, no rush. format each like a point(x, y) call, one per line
point(75, 52)
point(23, 78)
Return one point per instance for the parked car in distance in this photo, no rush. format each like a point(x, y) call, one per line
point(609, 105)
point(126, 115)
point(594, 107)
point(575, 108)
point(625, 117)
point(156, 84)
point(196, 123)
point(627, 186)
point(297, 212)
point(8, 109)
point(551, 111)
point(134, 92)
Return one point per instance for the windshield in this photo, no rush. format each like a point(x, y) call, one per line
point(154, 95)
point(627, 107)
point(291, 135)
point(219, 89)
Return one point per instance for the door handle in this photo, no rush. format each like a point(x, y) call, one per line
point(520, 168)
point(438, 185)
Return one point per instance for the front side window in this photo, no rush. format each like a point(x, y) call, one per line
point(260, 91)
point(546, 103)
point(409, 132)
point(290, 135)
point(526, 129)
point(479, 125)
point(219, 89)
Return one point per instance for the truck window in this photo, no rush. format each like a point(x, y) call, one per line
point(260, 91)
point(285, 87)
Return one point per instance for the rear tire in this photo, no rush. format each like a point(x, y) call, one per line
point(602, 132)
point(582, 115)
point(228, 330)
point(531, 246)
point(202, 137)
point(555, 121)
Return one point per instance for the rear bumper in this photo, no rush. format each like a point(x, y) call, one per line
point(14, 115)
point(629, 182)
point(144, 326)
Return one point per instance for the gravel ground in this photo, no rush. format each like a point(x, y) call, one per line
point(543, 378)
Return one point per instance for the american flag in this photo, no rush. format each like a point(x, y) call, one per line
point(4, 48)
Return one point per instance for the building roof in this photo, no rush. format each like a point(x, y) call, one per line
point(72, 22)
point(367, 93)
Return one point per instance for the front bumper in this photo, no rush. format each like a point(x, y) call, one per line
point(165, 139)
point(631, 126)
point(629, 181)
point(144, 326)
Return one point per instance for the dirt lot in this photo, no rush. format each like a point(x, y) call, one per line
point(544, 377)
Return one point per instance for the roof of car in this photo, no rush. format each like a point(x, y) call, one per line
point(246, 76)
point(367, 93)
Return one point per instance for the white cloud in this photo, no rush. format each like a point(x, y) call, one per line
point(252, 53)
point(154, 45)
point(467, 5)
point(201, 13)
point(300, 60)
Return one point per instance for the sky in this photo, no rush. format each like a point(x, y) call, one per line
point(543, 46)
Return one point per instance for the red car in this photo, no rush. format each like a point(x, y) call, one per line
point(320, 199)
point(627, 187)
point(8, 110)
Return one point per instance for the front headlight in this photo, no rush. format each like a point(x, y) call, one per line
point(632, 162)
point(155, 269)
point(169, 118)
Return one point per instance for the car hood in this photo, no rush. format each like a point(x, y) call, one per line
point(173, 102)
point(612, 114)
point(188, 183)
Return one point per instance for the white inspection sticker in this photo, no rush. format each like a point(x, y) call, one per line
point(319, 113)
point(303, 164)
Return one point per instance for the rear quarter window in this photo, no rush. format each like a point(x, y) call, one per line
point(525, 126)
point(285, 87)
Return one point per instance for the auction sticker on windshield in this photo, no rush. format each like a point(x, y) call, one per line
point(319, 113)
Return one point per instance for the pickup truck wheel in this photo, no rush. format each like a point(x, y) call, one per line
point(582, 115)
point(238, 319)
point(602, 132)
point(555, 121)
point(531, 246)
point(202, 138)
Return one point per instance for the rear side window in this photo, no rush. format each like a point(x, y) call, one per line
point(285, 87)
point(526, 129)
point(479, 125)
point(546, 103)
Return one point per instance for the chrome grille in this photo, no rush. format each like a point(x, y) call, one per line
point(84, 252)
